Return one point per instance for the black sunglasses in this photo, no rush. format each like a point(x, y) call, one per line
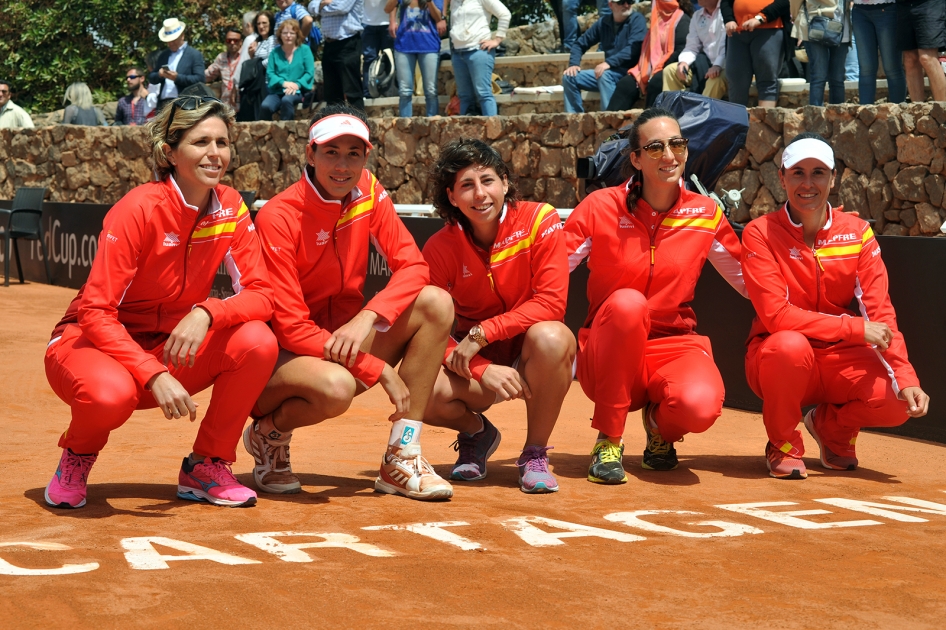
point(187, 104)
point(626, 3)
point(131, 77)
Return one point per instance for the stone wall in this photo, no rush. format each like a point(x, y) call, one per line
point(891, 159)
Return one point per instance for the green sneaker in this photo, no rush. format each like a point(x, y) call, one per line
point(606, 464)
point(658, 455)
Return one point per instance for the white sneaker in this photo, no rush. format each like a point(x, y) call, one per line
point(273, 472)
point(405, 471)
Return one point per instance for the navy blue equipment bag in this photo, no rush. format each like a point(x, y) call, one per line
point(716, 129)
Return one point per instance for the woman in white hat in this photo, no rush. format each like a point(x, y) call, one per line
point(805, 266)
point(178, 65)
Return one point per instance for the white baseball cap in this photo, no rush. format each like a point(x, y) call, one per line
point(338, 125)
point(806, 148)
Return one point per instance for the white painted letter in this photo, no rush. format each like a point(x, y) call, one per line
point(140, 553)
point(790, 518)
point(891, 511)
point(67, 569)
point(632, 519)
point(524, 529)
point(293, 552)
point(435, 531)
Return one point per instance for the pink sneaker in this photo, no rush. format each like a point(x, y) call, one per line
point(830, 459)
point(67, 487)
point(212, 480)
point(782, 466)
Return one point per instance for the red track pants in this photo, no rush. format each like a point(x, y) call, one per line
point(620, 369)
point(237, 361)
point(850, 385)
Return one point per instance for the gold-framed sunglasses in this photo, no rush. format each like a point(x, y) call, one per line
point(655, 149)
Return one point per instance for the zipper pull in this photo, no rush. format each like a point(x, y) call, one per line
point(652, 248)
point(817, 257)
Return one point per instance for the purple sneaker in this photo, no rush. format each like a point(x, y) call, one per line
point(212, 480)
point(474, 451)
point(68, 485)
point(534, 475)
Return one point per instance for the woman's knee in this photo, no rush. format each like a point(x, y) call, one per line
point(113, 397)
point(435, 304)
point(335, 390)
point(698, 405)
point(787, 348)
point(552, 340)
point(626, 307)
point(256, 341)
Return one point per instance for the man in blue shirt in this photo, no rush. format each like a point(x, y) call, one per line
point(341, 56)
point(620, 36)
point(291, 9)
point(178, 66)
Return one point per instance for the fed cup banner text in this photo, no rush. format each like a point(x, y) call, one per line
point(148, 553)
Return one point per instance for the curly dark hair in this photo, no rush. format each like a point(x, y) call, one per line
point(455, 156)
point(633, 144)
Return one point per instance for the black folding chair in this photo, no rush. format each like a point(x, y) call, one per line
point(23, 220)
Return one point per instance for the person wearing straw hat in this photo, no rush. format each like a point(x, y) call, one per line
point(825, 332)
point(178, 65)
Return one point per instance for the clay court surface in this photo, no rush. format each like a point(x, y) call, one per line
point(501, 568)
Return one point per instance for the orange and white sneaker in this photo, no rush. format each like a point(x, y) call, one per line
point(272, 472)
point(405, 471)
point(830, 459)
point(782, 466)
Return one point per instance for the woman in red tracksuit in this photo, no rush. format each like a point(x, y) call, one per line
point(143, 331)
point(503, 262)
point(805, 265)
point(646, 243)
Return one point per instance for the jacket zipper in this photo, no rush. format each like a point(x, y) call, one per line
point(818, 269)
point(653, 259)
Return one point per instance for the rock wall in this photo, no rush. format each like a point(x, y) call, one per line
point(891, 159)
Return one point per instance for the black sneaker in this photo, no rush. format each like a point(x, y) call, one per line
point(474, 451)
point(659, 455)
point(606, 463)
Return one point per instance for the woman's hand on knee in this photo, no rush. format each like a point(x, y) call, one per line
point(397, 392)
point(185, 340)
point(458, 360)
point(918, 403)
point(171, 397)
point(506, 382)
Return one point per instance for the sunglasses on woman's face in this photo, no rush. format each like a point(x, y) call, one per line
point(186, 104)
point(655, 149)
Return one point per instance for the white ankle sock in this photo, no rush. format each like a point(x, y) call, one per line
point(405, 432)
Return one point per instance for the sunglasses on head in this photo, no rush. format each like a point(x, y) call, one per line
point(187, 104)
point(655, 149)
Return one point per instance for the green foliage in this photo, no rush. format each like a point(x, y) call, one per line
point(47, 44)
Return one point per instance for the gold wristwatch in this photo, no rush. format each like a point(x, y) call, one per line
point(476, 334)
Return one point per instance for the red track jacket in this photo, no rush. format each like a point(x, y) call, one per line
point(317, 255)
point(660, 255)
point(794, 287)
point(156, 262)
point(522, 281)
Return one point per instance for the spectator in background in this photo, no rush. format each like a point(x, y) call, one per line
point(12, 115)
point(619, 35)
point(376, 36)
point(179, 65)
point(290, 72)
point(700, 65)
point(566, 12)
point(473, 51)
point(825, 63)
point(752, 51)
point(875, 29)
point(419, 24)
point(665, 40)
point(290, 9)
point(80, 110)
point(265, 41)
point(133, 108)
point(225, 68)
point(341, 56)
point(249, 36)
point(920, 35)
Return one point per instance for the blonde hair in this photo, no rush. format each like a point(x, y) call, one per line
point(162, 133)
point(78, 94)
point(294, 25)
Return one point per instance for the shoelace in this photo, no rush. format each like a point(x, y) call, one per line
point(75, 466)
point(219, 471)
point(466, 445)
point(422, 466)
point(656, 444)
point(609, 452)
point(278, 455)
point(537, 459)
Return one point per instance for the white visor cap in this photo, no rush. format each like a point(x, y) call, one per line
point(338, 125)
point(808, 148)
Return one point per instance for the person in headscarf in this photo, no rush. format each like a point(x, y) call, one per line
point(666, 39)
